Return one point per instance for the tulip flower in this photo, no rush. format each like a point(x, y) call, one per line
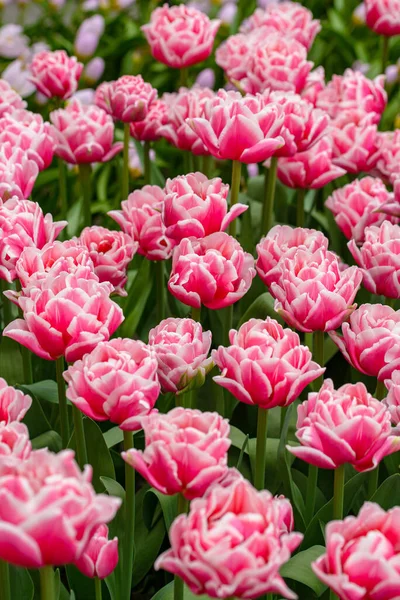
point(9, 99)
point(18, 172)
point(149, 128)
point(88, 36)
point(55, 74)
point(354, 137)
point(392, 400)
point(101, 555)
point(14, 404)
point(383, 16)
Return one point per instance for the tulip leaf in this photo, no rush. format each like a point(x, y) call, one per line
point(44, 390)
point(21, 583)
point(113, 436)
point(261, 308)
point(49, 439)
point(167, 593)
point(148, 541)
point(113, 487)
point(138, 295)
point(298, 568)
point(169, 506)
point(11, 361)
point(35, 419)
point(82, 586)
point(388, 493)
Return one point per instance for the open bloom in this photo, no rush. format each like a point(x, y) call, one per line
point(55, 74)
point(181, 348)
point(357, 205)
point(341, 426)
point(180, 36)
point(186, 450)
point(354, 137)
point(240, 128)
point(22, 225)
point(196, 206)
point(213, 271)
point(9, 99)
point(392, 400)
point(313, 293)
point(18, 172)
point(383, 16)
point(371, 340)
point(148, 129)
point(140, 218)
point(68, 316)
point(387, 159)
point(315, 83)
point(283, 241)
point(14, 444)
point(362, 555)
point(84, 134)
point(233, 54)
point(14, 404)
point(115, 382)
point(265, 364)
point(49, 510)
point(101, 555)
point(233, 542)
point(127, 99)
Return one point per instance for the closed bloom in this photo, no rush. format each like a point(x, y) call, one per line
point(22, 225)
point(354, 137)
point(379, 259)
point(311, 169)
point(68, 316)
point(55, 74)
point(392, 400)
point(283, 241)
point(140, 218)
point(233, 542)
point(111, 253)
point(362, 555)
point(14, 444)
point(18, 172)
point(196, 206)
point(357, 206)
point(313, 292)
point(84, 134)
point(180, 36)
point(213, 271)
point(94, 69)
point(181, 348)
point(148, 130)
point(371, 340)
point(88, 36)
point(14, 404)
point(9, 99)
point(186, 450)
point(101, 555)
point(265, 364)
point(240, 128)
point(383, 16)
point(341, 426)
point(49, 510)
point(115, 382)
point(128, 99)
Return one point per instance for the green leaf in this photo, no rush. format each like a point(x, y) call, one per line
point(136, 300)
point(11, 361)
point(113, 436)
point(98, 454)
point(44, 390)
point(113, 488)
point(49, 439)
point(299, 569)
point(167, 593)
point(262, 307)
point(238, 438)
point(388, 494)
point(169, 505)
point(22, 587)
point(35, 419)
point(82, 586)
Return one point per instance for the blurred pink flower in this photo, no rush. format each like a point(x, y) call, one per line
point(205, 79)
point(55, 74)
point(94, 69)
point(233, 542)
point(148, 130)
point(185, 451)
point(128, 99)
point(88, 36)
point(354, 137)
point(117, 381)
point(18, 172)
point(180, 36)
point(383, 16)
point(101, 555)
point(213, 271)
point(9, 100)
point(14, 404)
point(392, 400)
point(13, 42)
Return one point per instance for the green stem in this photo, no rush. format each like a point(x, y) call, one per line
point(207, 165)
point(80, 442)
point(97, 588)
point(160, 290)
point(178, 583)
point(62, 402)
point(62, 179)
point(219, 400)
point(318, 352)
point(380, 390)
point(391, 302)
point(373, 479)
point(338, 493)
point(268, 207)
point(147, 163)
point(261, 448)
point(235, 189)
point(5, 586)
point(129, 519)
point(284, 410)
point(25, 353)
point(47, 587)
point(311, 492)
point(196, 314)
point(85, 171)
point(125, 167)
point(385, 53)
point(5, 303)
point(301, 192)
point(184, 77)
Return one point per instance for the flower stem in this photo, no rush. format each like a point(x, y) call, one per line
point(125, 167)
point(5, 304)
point(301, 192)
point(196, 314)
point(62, 402)
point(129, 519)
point(373, 482)
point(219, 399)
point(47, 583)
point(178, 583)
point(160, 290)
point(235, 189)
point(338, 493)
point(5, 586)
point(85, 171)
point(385, 52)
point(270, 185)
point(261, 448)
point(207, 165)
point(146, 163)
point(62, 179)
point(380, 390)
point(97, 588)
point(80, 441)
point(311, 492)
point(183, 77)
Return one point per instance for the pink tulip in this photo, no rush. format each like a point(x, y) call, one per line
point(196, 206)
point(68, 316)
point(148, 130)
point(392, 400)
point(84, 134)
point(246, 129)
point(387, 159)
point(13, 42)
point(9, 99)
point(55, 74)
point(287, 18)
point(233, 55)
point(265, 364)
point(371, 340)
point(311, 169)
point(213, 271)
point(283, 241)
point(186, 104)
point(186, 450)
point(233, 542)
point(14, 404)
point(358, 205)
point(49, 510)
point(101, 555)
point(354, 91)
point(341, 426)
point(181, 348)
point(111, 253)
point(14, 444)
point(128, 99)
point(101, 96)
point(354, 137)
point(88, 36)
point(18, 172)
point(94, 69)
point(313, 292)
point(180, 36)
point(23, 225)
point(362, 555)
point(140, 218)
point(383, 16)
point(379, 259)
point(315, 83)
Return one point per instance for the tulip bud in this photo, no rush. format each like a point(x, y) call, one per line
point(94, 70)
point(88, 36)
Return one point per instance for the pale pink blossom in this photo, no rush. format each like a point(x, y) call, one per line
point(14, 404)
point(88, 36)
point(354, 137)
point(101, 555)
point(94, 69)
point(128, 99)
point(9, 99)
point(55, 74)
point(233, 55)
point(383, 16)
point(387, 159)
point(18, 172)
point(392, 400)
point(148, 130)
point(13, 42)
